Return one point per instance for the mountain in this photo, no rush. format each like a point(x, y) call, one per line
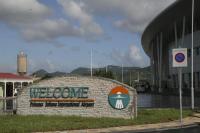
point(57, 74)
point(43, 73)
point(40, 73)
point(114, 69)
point(129, 73)
point(81, 71)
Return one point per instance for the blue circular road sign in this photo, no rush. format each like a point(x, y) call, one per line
point(179, 57)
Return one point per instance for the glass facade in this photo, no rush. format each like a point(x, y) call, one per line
point(175, 27)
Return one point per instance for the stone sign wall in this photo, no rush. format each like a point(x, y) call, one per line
point(77, 95)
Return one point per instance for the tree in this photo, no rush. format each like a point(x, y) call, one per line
point(101, 73)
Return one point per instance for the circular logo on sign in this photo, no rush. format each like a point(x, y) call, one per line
point(179, 57)
point(118, 97)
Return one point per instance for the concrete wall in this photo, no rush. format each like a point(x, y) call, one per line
point(99, 88)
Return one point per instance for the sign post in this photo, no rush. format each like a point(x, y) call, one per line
point(179, 61)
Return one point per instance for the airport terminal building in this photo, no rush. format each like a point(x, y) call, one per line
point(172, 29)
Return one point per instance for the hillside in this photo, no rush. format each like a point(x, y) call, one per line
point(43, 73)
point(130, 73)
point(40, 73)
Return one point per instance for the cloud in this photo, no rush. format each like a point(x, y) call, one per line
point(47, 30)
point(36, 21)
point(20, 12)
point(76, 11)
point(133, 15)
point(134, 56)
point(46, 64)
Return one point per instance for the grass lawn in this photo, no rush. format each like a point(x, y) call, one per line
point(33, 123)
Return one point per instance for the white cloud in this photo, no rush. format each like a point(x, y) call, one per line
point(49, 29)
point(76, 11)
point(35, 22)
point(133, 15)
point(46, 64)
point(134, 56)
point(34, 19)
point(21, 12)
point(135, 53)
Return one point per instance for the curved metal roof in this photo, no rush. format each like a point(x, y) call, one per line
point(174, 12)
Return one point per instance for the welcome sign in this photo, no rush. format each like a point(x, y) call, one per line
point(78, 95)
point(60, 97)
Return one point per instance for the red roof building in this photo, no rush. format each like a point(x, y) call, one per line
point(11, 76)
point(10, 83)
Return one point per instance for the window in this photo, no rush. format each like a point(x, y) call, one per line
point(189, 52)
point(198, 82)
point(189, 78)
point(194, 79)
point(183, 77)
point(197, 50)
point(174, 80)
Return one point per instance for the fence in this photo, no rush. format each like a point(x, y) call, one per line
point(8, 104)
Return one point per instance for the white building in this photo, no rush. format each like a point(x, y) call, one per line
point(10, 84)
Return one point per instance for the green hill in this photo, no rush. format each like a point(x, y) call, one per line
point(44, 74)
point(130, 73)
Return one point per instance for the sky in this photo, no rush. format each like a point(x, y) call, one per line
point(59, 35)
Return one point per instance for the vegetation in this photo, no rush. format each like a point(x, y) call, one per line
point(130, 73)
point(102, 73)
point(34, 123)
point(46, 75)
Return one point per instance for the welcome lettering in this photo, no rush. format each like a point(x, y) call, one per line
point(59, 92)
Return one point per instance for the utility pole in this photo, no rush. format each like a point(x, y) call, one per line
point(91, 63)
point(180, 95)
point(130, 79)
point(122, 73)
point(192, 59)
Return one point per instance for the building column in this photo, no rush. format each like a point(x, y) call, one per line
point(21, 85)
point(183, 31)
point(176, 46)
point(160, 65)
point(5, 95)
point(175, 34)
point(152, 65)
point(5, 89)
point(13, 87)
point(196, 80)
